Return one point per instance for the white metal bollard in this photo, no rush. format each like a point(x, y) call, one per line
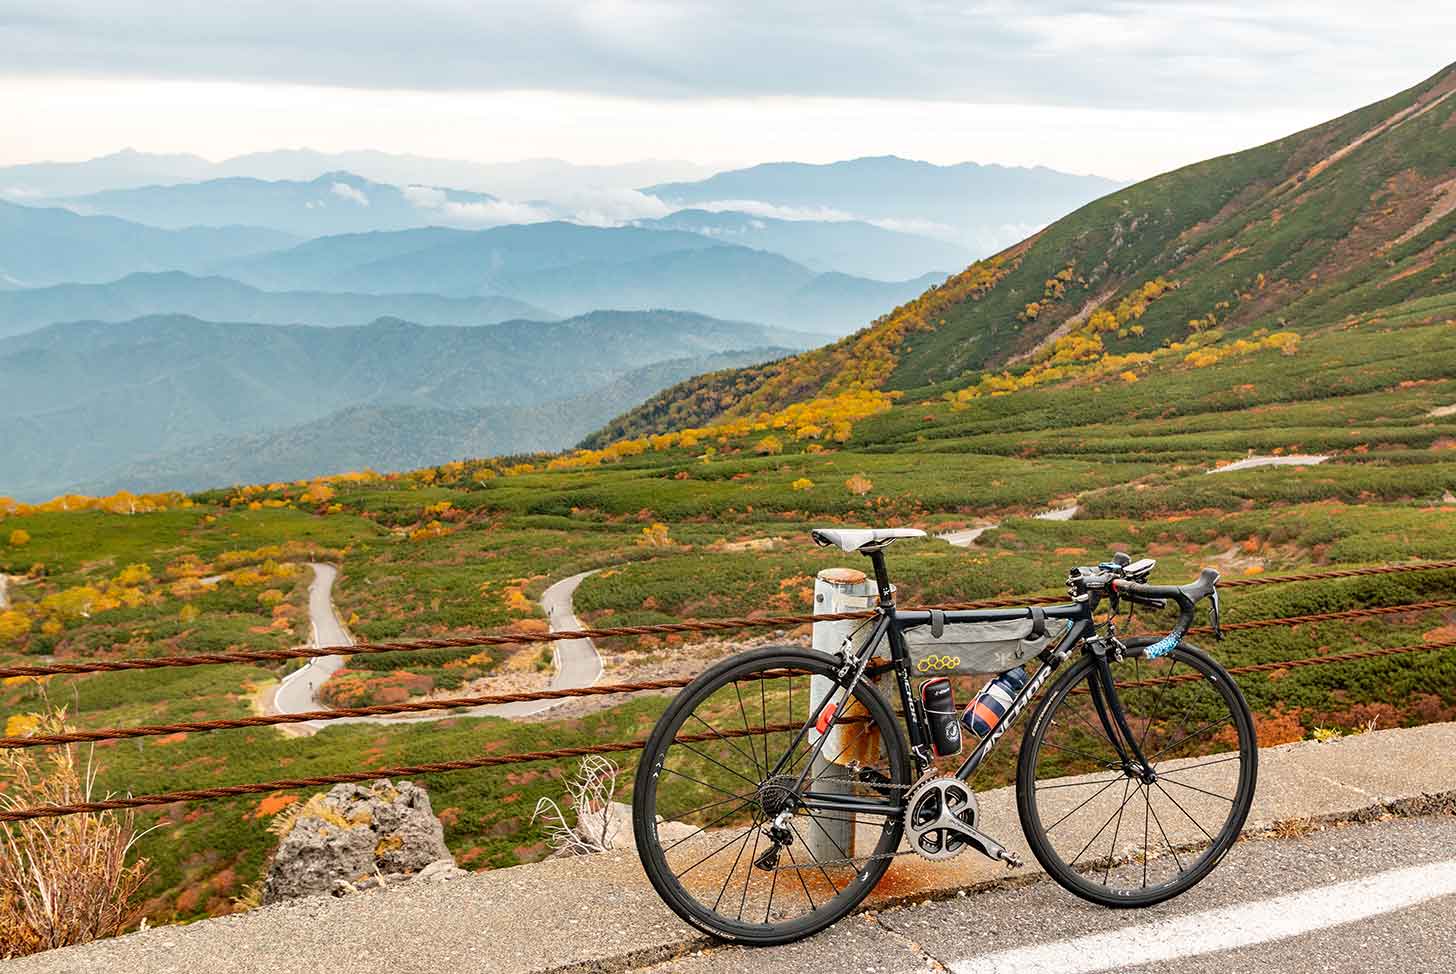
point(838, 590)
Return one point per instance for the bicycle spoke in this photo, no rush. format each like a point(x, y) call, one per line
point(734, 868)
point(1101, 830)
point(1171, 848)
point(1082, 806)
point(1077, 784)
point(1147, 853)
point(1183, 810)
point(822, 871)
point(704, 828)
point(748, 873)
point(727, 740)
point(1157, 705)
point(1112, 849)
point(1204, 764)
point(1227, 719)
point(712, 760)
point(744, 714)
point(1200, 790)
point(800, 873)
point(715, 852)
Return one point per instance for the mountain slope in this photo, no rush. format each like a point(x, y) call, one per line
point(46, 245)
point(84, 398)
point(1350, 215)
point(332, 203)
point(222, 299)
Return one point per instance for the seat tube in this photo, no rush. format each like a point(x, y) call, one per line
point(882, 579)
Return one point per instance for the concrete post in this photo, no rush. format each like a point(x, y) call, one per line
point(838, 590)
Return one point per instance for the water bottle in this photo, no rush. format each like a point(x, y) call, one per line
point(937, 699)
point(991, 704)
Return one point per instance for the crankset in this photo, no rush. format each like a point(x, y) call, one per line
point(940, 822)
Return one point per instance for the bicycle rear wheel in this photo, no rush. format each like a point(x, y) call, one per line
point(721, 804)
point(1101, 826)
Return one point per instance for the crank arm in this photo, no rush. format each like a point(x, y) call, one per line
point(988, 846)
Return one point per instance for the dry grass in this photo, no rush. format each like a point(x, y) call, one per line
point(63, 880)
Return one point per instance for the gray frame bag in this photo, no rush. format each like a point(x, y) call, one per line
point(963, 648)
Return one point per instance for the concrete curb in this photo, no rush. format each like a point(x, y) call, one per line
point(598, 914)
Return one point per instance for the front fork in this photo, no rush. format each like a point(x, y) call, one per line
point(1112, 715)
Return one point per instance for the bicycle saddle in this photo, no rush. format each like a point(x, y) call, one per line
point(861, 539)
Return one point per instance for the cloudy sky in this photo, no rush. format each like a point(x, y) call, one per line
point(1123, 89)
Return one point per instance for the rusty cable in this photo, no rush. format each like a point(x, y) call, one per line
point(703, 625)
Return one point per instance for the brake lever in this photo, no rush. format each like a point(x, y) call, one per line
point(1213, 616)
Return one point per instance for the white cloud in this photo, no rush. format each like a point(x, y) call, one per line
point(774, 211)
point(425, 197)
point(610, 207)
point(349, 193)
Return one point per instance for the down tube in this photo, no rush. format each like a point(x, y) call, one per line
point(1038, 679)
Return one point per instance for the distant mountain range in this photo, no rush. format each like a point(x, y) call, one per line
point(47, 245)
point(222, 299)
point(571, 269)
point(333, 203)
point(524, 179)
point(86, 400)
point(981, 207)
point(405, 437)
point(847, 246)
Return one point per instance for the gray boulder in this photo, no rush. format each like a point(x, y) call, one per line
point(356, 833)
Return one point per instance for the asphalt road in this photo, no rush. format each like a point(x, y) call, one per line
point(1339, 901)
point(577, 662)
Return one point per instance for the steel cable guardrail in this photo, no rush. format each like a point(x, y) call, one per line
point(166, 798)
point(613, 747)
point(605, 689)
point(669, 628)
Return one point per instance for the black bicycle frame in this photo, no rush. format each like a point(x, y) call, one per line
point(892, 624)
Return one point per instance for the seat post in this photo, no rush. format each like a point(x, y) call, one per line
point(882, 576)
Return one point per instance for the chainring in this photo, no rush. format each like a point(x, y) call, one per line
point(934, 807)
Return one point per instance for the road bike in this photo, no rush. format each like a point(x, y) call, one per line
point(777, 788)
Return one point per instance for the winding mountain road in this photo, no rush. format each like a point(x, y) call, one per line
point(578, 664)
point(967, 536)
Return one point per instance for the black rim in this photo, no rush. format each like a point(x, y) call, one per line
point(1116, 828)
point(741, 841)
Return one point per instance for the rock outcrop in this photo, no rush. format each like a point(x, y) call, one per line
point(354, 834)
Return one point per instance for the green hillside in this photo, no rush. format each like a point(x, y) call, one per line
point(1346, 217)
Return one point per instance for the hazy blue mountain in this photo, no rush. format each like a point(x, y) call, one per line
point(88, 397)
point(223, 299)
point(571, 269)
point(848, 246)
point(45, 245)
point(983, 207)
point(524, 179)
point(119, 170)
point(333, 203)
point(446, 261)
point(403, 437)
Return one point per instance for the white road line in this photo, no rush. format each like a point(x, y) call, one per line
point(1227, 928)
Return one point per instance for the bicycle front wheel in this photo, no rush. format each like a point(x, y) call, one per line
point(728, 808)
point(1116, 833)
